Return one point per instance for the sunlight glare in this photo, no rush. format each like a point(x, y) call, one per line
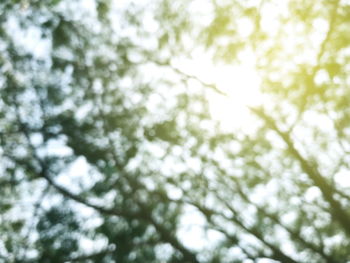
point(242, 86)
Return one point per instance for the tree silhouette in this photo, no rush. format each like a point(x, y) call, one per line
point(110, 151)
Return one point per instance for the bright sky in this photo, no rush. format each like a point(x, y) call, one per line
point(242, 86)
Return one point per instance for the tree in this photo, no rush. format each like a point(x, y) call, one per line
point(109, 147)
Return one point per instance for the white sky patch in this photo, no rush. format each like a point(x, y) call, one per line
point(191, 232)
point(73, 175)
point(241, 84)
point(312, 194)
point(269, 18)
point(164, 252)
point(29, 40)
point(342, 178)
point(246, 27)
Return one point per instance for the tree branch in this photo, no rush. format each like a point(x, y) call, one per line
point(337, 211)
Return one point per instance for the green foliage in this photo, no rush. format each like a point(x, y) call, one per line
point(58, 235)
point(103, 105)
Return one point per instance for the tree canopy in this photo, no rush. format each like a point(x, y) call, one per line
point(174, 131)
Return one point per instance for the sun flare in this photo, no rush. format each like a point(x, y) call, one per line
point(241, 84)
